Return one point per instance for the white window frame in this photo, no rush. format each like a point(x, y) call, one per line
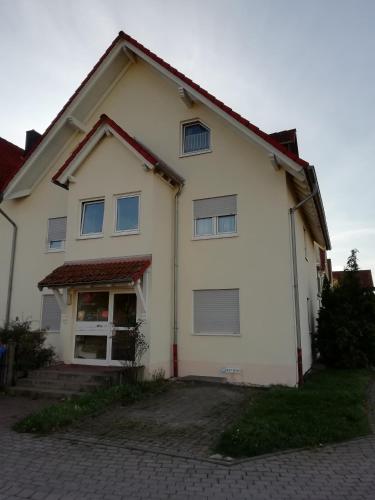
point(47, 293)
point(54, 250)
point(82, 205)
point(182, 138)
point(117, 232)
point(215, 225)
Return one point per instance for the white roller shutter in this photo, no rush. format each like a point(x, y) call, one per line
point(51, 314)
point(57, 229)
point(214, 207)
point(217, 311)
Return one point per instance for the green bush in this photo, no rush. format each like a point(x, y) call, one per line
point(346, 322)
point(31, 352)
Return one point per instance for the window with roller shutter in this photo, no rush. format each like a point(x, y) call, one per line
point(215, 216)
point(51, 314)
point(56, 234)
point(216, 311)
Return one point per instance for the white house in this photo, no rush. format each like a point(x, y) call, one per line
point(149, 198)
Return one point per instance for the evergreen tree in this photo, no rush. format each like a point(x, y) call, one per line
point(346, 323)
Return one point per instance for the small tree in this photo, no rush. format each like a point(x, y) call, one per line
point(346, 322)
point(31, 352)
point(137, 346)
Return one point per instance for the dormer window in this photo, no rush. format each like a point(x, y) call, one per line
point(195, 138)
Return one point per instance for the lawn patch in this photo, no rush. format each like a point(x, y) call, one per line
point(330, 407)
point(67, 412)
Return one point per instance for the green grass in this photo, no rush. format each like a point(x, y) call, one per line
point(330, 407)
point(68, 412)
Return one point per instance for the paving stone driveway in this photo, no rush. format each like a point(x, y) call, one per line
point(186, 420)
point(58, 468)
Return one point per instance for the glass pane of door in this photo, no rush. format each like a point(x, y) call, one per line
point(92, 306)
point(90, 347)
point(124, 309)
point(123, 346)
point(124, 319)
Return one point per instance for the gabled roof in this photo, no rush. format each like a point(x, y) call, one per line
point(104, 74)
point(10, 162)
point(101, 127)
point(103, 271)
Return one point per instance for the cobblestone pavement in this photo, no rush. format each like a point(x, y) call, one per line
point(185, 420)
point(14, 408)
point(62, 468)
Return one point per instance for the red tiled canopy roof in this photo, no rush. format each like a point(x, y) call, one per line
point(364, 275)
point(96, 272)
point(10, 162)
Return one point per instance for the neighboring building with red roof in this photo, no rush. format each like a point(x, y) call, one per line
point(147, 198)
point(364, 276)
point(11, 160)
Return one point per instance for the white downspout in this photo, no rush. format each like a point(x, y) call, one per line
point(11, 267)
point(175, 283)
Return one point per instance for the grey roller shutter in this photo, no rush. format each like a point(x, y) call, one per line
point(213, 207)
point(51, 314)
point(57, 229)
point(217, 311)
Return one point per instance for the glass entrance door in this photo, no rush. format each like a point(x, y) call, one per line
point(103, 324)
point(124, 319)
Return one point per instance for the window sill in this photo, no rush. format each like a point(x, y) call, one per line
point(124, 233)
point(195, 153)
point(215, 236)
point(57, 250)
point(90, 236)
point(216, 334)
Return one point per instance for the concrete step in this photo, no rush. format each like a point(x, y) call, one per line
point(204, 379)
point(101, 378)
point(76, 385)
point(34, 393)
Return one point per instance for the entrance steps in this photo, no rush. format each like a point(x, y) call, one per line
point(66, 381)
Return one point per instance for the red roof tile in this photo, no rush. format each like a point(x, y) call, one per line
point(121, 270)
point(145, 153)
point(10, 162)
point(365, 277)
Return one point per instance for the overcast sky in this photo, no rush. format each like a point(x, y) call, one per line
point(280, 63)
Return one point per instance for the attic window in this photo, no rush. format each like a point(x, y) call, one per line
point(195, 138)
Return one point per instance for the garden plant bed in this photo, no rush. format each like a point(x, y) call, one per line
point(331, 407)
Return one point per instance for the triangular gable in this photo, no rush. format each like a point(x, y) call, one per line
point(105, 126)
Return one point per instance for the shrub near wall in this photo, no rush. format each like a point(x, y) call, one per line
point(346, 322)
point(31, 352)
